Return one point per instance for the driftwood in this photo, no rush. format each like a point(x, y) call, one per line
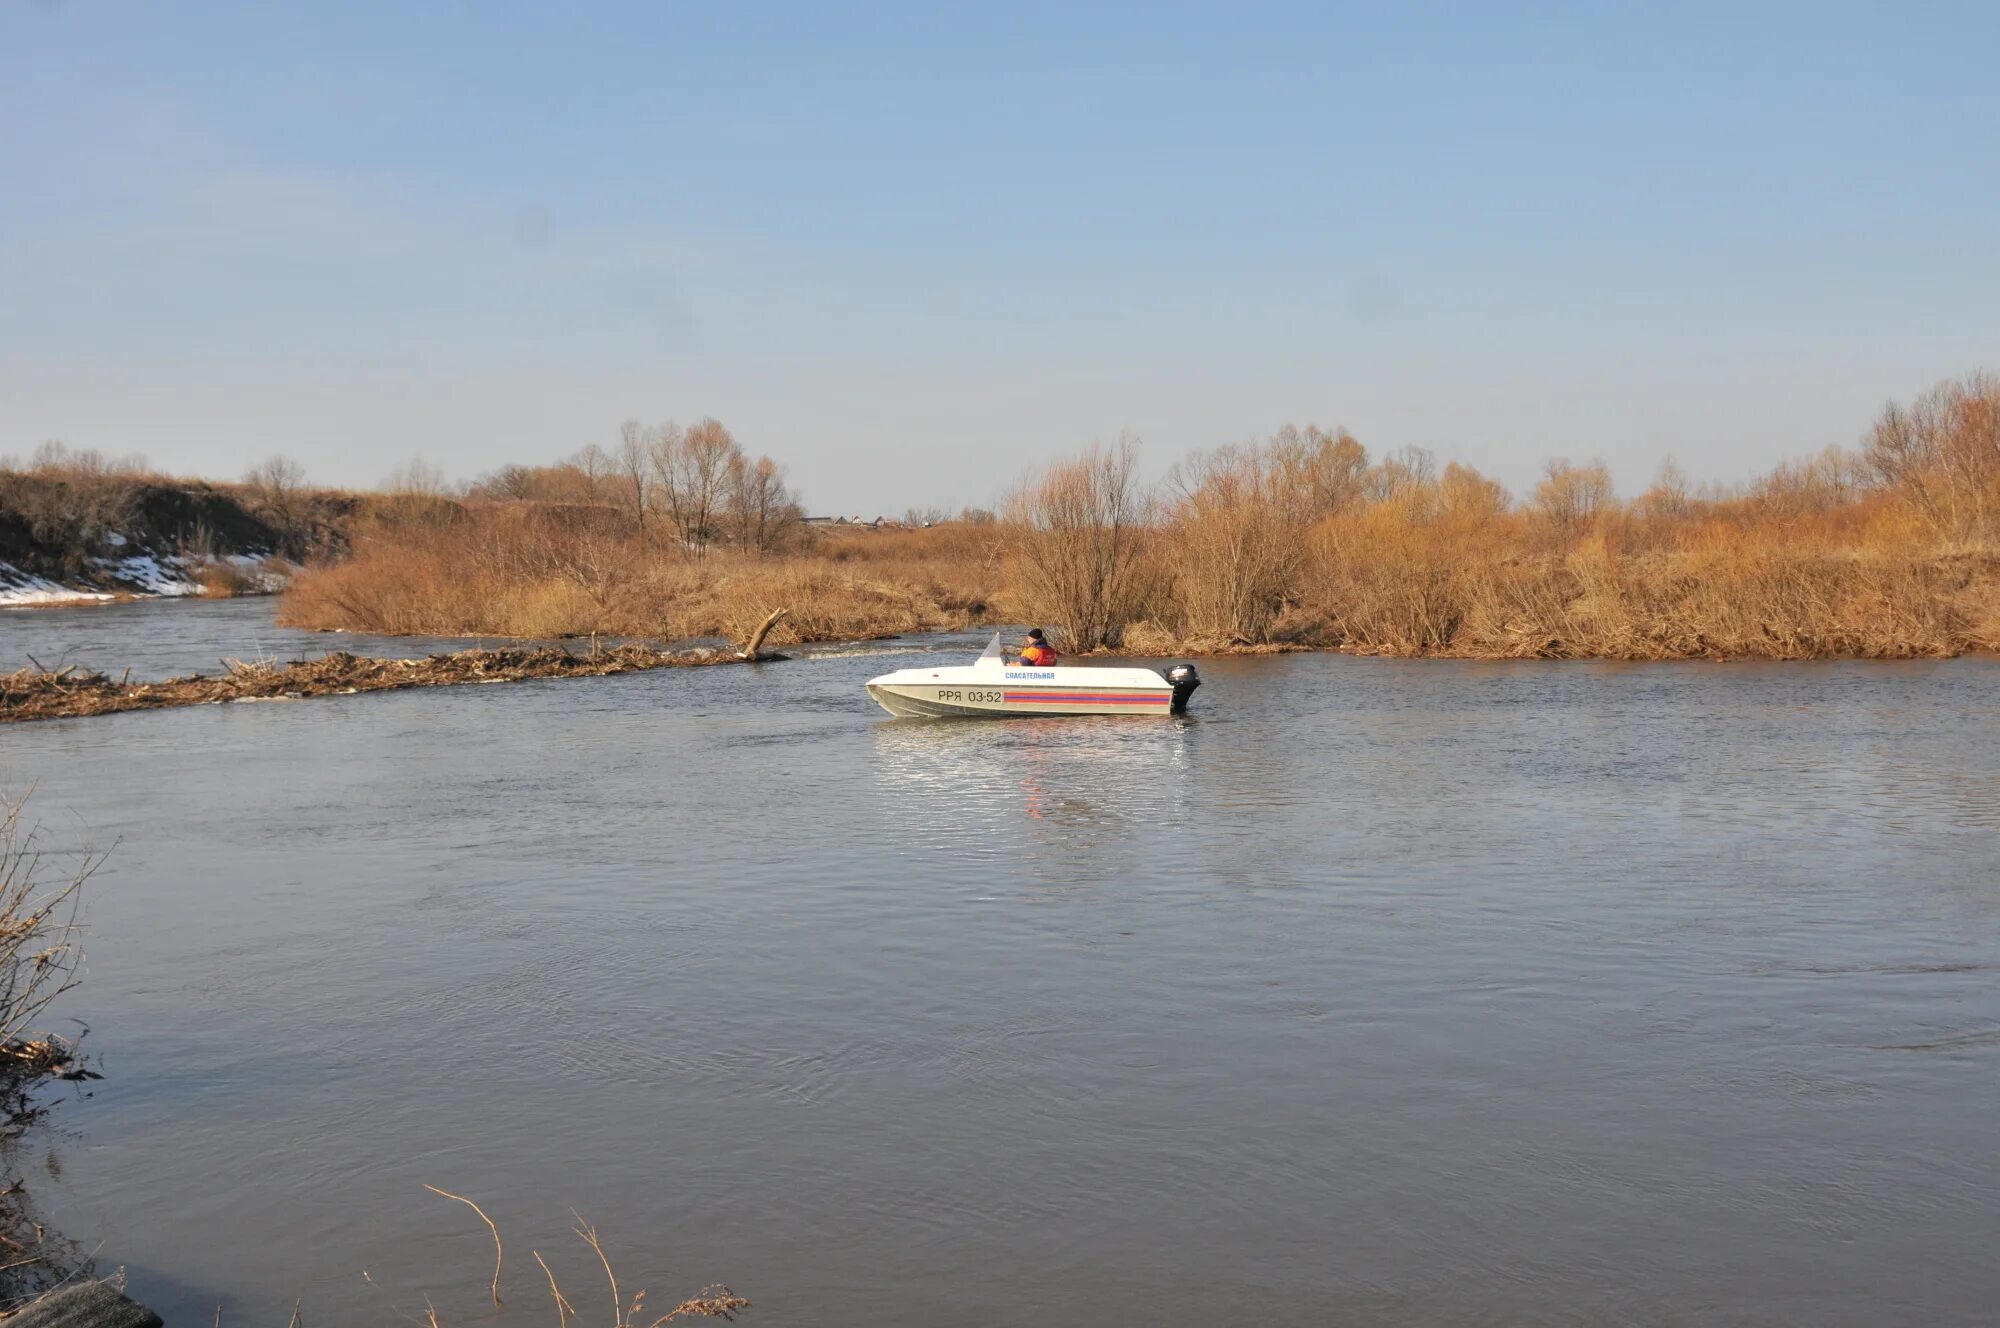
point(750, 651)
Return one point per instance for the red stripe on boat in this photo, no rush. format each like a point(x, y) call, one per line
point(1091, 698)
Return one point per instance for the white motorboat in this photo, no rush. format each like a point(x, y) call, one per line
point(993, 686)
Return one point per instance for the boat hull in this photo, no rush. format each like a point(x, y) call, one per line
point(992, 687)
point(999, 699)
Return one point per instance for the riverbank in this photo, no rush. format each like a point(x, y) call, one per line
point(69, 693)
point(77, 527)
point(147, 576)
point(1375, 584)
point(1303, 541)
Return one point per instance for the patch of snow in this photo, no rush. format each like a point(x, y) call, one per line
point(114, 539)
point(159, 575)
point(258, 567)
point(150, 575)
point(18, 589)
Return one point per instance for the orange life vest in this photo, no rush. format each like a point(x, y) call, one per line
point(1039, 655)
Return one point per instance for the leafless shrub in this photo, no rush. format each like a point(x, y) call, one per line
point(417, 479)
point(1405, 470)
point(1571, 497)
point(1324, 472)
point(40, 948)
point(1080, 533)
point(1833, 479)
point(1237, 538)
point(631, 467)
point(762, 514)
point(1941, 454)
point(276, 483)
point(72, 502)
point(692, 470)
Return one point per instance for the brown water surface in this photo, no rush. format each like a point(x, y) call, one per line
point(1372, 992)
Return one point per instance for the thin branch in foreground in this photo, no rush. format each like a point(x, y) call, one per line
point(588, 1234)
point(394, 1308)
point(564, 1310)
point(498, 1253)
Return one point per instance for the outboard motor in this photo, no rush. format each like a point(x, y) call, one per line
point(1185, 680)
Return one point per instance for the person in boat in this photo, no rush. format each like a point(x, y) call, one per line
point(1036, 651)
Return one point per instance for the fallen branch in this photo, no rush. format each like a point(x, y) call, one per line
point(750, 651)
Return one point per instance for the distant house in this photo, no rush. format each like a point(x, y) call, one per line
point(877, 523)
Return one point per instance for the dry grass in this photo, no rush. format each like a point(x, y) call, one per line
point(713, 1302)
point(1387, 580)
point(221, 579)
point(531, 570)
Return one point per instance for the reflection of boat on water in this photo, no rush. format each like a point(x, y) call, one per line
point(990, 687)
point(972, 788)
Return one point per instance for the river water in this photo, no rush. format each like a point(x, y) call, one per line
point(1372, 992)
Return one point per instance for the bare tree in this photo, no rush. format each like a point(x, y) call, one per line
point(1329, 470)
point(1670, 497)
point(275, 487)
point(594, 468)
point(1571, 497)
point(1079, 531)
point(762, 512)
point(1466, 494)
point(56, 459)
point(509, 484)
point(417, 479)
point(1832, 479)
point(276, 481)
point(632, 468)
point(1402, 471)
point(1237, 542)
point(692, 470)
point(586, 549)
point(1941, 454)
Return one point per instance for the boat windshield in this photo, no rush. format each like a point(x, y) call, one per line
point(992, 651)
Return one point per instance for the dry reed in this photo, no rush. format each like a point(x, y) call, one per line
point(533, 571)
point(498, 1253)
point(40, 959)
point(41, 956)
point(714, 1302)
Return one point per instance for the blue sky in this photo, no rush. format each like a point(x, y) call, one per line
point(914, 251)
